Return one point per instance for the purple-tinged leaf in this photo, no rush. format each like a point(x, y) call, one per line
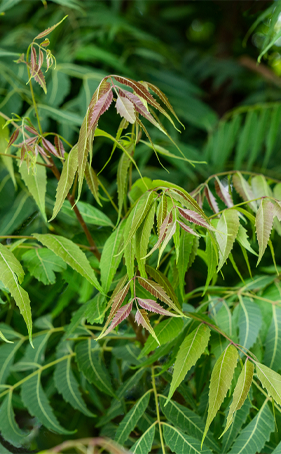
point(115, 302)
point(139, 88)
point(194, 217)
point(49, 147)
point(39, 78)
point(40, 59)
point(119, 316)
point(152, 306)
point(227, 231)
point(264, 222)
point(244, 190)
point(223, 193)
point(162, 234)
point(141, 318)
point(125, 109)
point(188, 229)
point(45, 43)
point(59, 146)
point(101, 106)
point(13, 137)
point(41, 150)
point(33, 59)
point(157, 291)
point(48, 30)
point(138, 104)
point(31, 129)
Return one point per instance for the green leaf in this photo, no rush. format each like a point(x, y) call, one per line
point(36, 182)
point(227, 230)
point(90, 214)
point(212, 260)
point(255, 434)
point(240, 392)
point(187, 421)
point(92, 182)
point(7, 161)
point(71, 254)
point(180, 443)
point(42, 264)
point(272, 356)
point(250, 321)
point(246, 138)
point(165, 331)
point(9, 427)
point(238, 421)
point(242, 239)
point(162, 280)
point(244, 189)
point(260, 187)
point(35, 400)
point(221, 379)
point(142, 239)
point(110, 258)
point(33, 356)
point(122, 171)
point(89, 363)
point(96, 309)
point(270, 380)
point(190, 351)
point(67, 385)
point(264, 223)
point(22, 208)
point(66, 179)
point(185, 249)
point(263, 119)
point(11, 274)
point(131, 419)
point(144, 443)
point(7, 356)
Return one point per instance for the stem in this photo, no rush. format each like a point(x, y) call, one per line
point(17, 157)
point(109, 196)
point(157, 410)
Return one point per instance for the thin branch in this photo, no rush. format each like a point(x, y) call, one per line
point(157, 410)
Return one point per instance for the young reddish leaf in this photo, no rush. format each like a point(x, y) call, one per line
point(39, 78)
point(139, 89)
point(49, 147)
point(31, 129)
point(115, 302)
point(33, 59)
point(194, 217)
point(40, 59)
point(119, 316)
point(244, 189)
point(157, 291)
point(162, 234)
point(162, 212)
point(48, 30)
point(211, 199)
point(187, 229)
point(138, 105)
point(100, 107)
point(59, 146)
point(141, 318)
point(125, 108)
point(264, 222)
point(152, 306)
point(13, 137)
point(223, 193)
point(45, 43)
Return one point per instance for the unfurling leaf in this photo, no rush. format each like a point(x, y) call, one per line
point(227, 230)
point(125, 108)
point(141, 318)
point(240, 392)
point(190, 351)
point(116, 300)
point(221, 379)
point(119, 316)
point(152, 306)
point(264, 223)
point(48, 31)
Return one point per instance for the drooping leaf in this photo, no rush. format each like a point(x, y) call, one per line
point(9, 427)
point(272, 357)
point(131, 419)
point(36, 401)
point(264, 223)
point(255, 434)
point(43, 263)
point(250, 322)
point(144, 443)
point(71, 254)
point(165, 331)
point(242, 238)
point(125, 108)
point(221, 379)
point(190, 351)
point(180, 443)
point(240, 392)
point(244, 189)
point(67, 385)
point(270, 380)
point(141, 318)
point(272, 133)
point(212, 260)
point(227, 230)
point(110, 258)
point(89, 363)
point(66, 179)
point(90, 214)
point(11, 274)
point(194, 217)
point(162, 280)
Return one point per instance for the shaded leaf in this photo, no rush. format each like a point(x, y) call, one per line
point(131, 419)
point(272, 357)
point(42, 264)
point(144, 443)
point(110, 258)
point(142, 239)
point(9, 427)
point(239, 419)
point(180, 443)
point(49, 30)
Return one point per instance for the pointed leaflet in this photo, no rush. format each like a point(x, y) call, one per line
point(238, 421)
point(242, 239)
point(131, 419)
point(48, 30)
point(165, 331)
point(227, 230)
point(171, 230)
point(122, 172)
point(9, 427)
point(129, 256)
point(144, 443)
point(254, 436)
point(110, 258)
point(119, 316)
point(89, 363)
point(190, 351)
point(11, 274)
point(187, 421)
point(42, 264)
point(240, 392)
point(272, 357)
point(180, 443)
point(157, 291)
point(126, 109)
point(116, 300)
point(92, 182)
point(194, 217)
point(162, 212)
point(71, 254)
point(36, 402)
point(250, 322)
point(141, 318)
point(142, 239)
point(152, 306)
point(67, 385)
point(162, 280)
point(244, 189)
point(7, 356)
point(66, 179)
point(270, 380)
point(162, 233)
point(187, 229)
point(36, 182)
point(211, 199)
point(221, 379)
point(264, 223)
point(223, 193)
point(185, 249)
point(212, 259)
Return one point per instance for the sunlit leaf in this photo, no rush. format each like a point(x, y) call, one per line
point(42, 264)
point(264, 223)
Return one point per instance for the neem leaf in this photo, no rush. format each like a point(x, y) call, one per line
point(157, 291)
point(190, 351)
point(181, 443)
point(166, 331)
point(110, 258)
point(221, 379)
point(264, 223)
point(152, 306)
point(49, 30)
point(9, 427)
point(244, 190)
point(144, 443)
point(125, 108)
point(131, 419)
point(119, 316)
point(141, 318)
point(223, 193)
point(270, 380)
point(227, 230)
point(196, 218)
point(211, 199)
point(240, 392)
point(42, 264)
point(92, 182)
